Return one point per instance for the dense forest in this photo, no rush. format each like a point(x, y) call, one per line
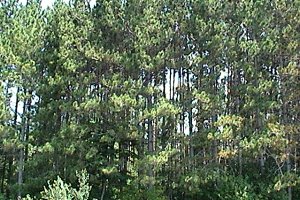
point(150, 100)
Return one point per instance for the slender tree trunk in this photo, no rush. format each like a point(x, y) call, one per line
point(150, 128)
point(288, 165)
point(173, 85)
point(103, 190)
point(27, 126)
point(170, 83)
point(164, 80)
point(5, 154)
point(11, 158)
point(258, 126)
point(150, 136)
point(288, 149)
point(190, 118)
point(3, 173)
point(21, 151)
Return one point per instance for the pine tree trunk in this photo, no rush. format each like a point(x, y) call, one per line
point(11, 158)
point(21, 151)
point(3, 173)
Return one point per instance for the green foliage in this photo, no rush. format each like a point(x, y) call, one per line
point(1, 196)
point(232, 187)
point(135, 192)
point(156, 99)
point(60, 190)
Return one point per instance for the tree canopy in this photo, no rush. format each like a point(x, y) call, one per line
point(154, 100)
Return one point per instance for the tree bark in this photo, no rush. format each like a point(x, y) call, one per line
point(21, 151)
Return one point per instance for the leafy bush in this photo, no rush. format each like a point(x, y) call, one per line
point(59, 190)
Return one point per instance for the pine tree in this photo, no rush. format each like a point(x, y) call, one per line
point(158, 99)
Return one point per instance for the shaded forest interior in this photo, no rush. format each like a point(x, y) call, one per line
point(155, 100)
